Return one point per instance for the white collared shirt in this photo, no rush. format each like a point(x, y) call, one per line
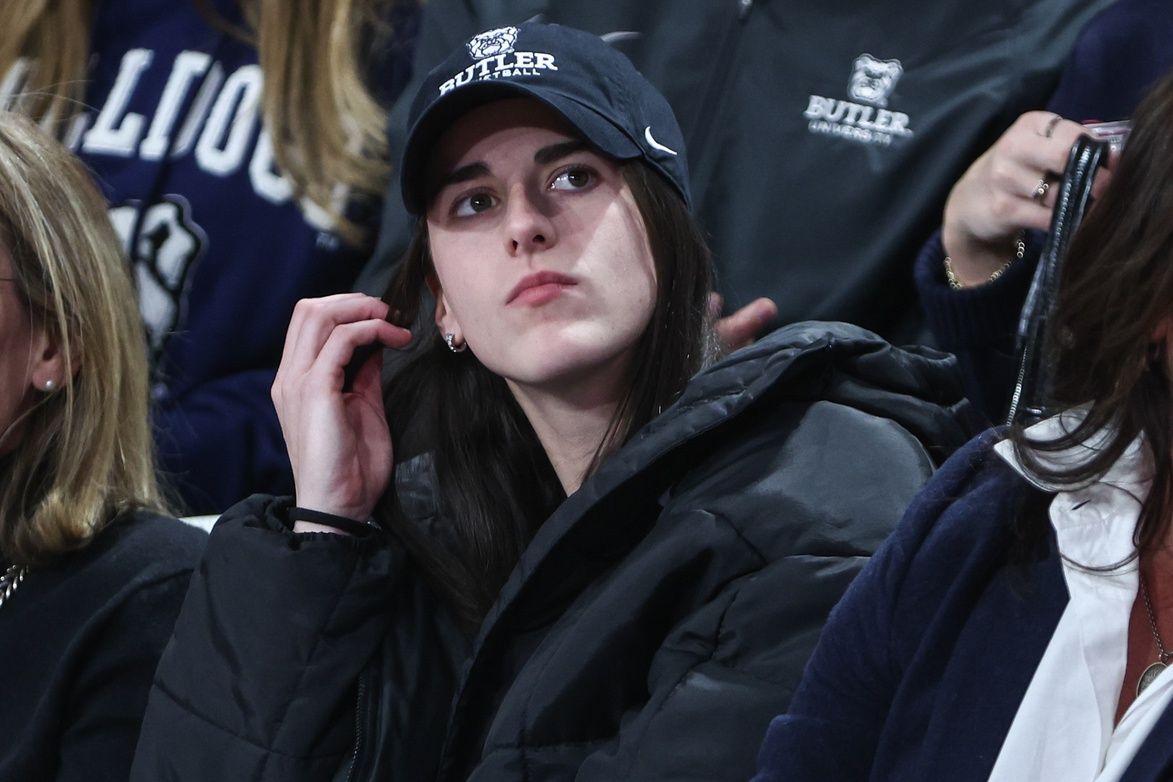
point(1064, 729)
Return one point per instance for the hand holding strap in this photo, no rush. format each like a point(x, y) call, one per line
point(1031, 400)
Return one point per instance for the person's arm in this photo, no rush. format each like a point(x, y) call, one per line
point(1011, 188)
point(978, 324)
point(834, 724)
point(262, 670)
point(973, 275)
point(721, 675)
point(259, 680)
point(734, 663)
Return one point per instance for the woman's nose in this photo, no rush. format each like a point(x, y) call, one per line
point(529, 226)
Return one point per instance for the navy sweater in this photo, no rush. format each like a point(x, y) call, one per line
point(923, 664)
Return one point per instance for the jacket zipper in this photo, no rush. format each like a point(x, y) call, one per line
point(359, 723)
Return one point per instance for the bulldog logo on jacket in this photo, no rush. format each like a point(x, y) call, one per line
point(872, 80)
point(865, 118)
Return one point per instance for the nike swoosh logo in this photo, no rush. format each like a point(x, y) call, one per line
point(619, 36)
point(656, 144)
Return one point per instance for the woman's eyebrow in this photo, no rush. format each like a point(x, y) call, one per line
point(547, 155)
point(463, 174)
point(543, 156)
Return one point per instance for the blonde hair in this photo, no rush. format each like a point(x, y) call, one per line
point(55, 34)
point(86, 451)
point(327, 130)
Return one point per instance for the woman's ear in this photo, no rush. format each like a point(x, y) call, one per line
point(47, 364)
point(446, 321)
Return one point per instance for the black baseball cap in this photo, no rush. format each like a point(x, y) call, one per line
point(591, 85)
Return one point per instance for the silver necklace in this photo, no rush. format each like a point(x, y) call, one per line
point(1163, 655)
point(11, 579)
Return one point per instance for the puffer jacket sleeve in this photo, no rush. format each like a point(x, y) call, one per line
point(721, 677)
point(805, 520)
point(834, 724)
point(259, 679)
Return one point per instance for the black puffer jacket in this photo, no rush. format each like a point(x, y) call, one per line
point(653, 626)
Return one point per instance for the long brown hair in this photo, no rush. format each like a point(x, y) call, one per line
point(494, 482)
point(327, 130)
point(86, 451)
point(1116, 293)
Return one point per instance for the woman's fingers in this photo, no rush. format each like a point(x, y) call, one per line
point(1028, 142)
point(368, 381)
point(1046, 158)
point(314, 319)
point(744, 326)
point(1013, 186)
point(339, 443)
point(344, 339)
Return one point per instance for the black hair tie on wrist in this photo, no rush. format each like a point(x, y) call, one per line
point(347, 525)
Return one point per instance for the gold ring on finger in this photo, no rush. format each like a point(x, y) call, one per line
point(1040, 191)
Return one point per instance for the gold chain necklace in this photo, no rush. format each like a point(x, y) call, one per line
point(11, 579)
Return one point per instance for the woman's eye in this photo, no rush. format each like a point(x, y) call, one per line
point(573, 179)
point(473, 205)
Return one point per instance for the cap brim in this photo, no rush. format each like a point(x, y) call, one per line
point(595, 129)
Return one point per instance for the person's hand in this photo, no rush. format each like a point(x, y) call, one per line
point(1009, 188)
point(339, 443)
point(742, 327)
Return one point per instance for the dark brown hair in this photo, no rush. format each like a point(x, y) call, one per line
point(1116, 293)
point(494, 482)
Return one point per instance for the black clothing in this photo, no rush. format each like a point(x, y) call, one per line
point(654, 624)
point(79, 641)
point(822, 137)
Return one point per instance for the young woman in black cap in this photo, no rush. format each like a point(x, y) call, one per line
point(574, 563)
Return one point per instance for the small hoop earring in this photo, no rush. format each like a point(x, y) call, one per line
point(450, 341)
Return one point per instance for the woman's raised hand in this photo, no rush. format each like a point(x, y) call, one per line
point(1009, 188)
point(339, 441)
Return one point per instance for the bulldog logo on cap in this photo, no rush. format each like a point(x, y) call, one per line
point(595, 88)
point(496, 59)
point(492, 42)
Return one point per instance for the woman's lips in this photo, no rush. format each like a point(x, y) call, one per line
point(539, 288)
